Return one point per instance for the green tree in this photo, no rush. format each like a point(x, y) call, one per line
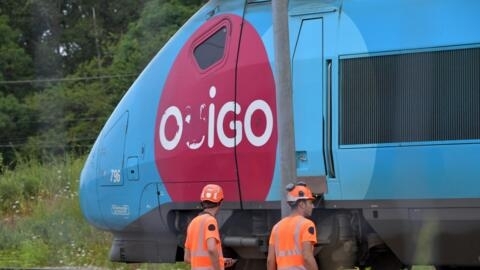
point(158, 22)
point(15, 63)
point(15, 117)
point(59, 35)
point(88, 26)
point(15, 121)
point(108, 53)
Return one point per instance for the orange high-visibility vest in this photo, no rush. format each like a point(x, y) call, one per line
point(287, 237)
point(201, 228)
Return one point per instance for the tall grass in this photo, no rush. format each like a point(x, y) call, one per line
point(41, 222)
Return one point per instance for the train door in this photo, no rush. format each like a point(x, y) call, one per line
point(203, 90)
point(255, 96)
point(109, 166)
point(256, 93)
point(308, 104)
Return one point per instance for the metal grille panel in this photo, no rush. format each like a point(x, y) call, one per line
point(413, 97)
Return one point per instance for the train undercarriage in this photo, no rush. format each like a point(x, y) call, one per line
point(347, 238)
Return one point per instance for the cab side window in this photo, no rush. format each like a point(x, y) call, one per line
point(211, 50)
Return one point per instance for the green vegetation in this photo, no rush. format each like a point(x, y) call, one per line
point(42, 224)
point(64, 65)
point(41, 220)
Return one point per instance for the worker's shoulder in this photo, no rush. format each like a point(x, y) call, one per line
point(208, 218)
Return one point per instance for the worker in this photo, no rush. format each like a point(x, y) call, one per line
point(293, 238)
point(203, 249)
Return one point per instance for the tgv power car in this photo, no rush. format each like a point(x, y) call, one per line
point(386, 109)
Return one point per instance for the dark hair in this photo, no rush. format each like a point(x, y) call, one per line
point(295, 204)
point(209, 204)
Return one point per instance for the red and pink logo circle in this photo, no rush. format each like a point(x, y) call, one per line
point(219, 124)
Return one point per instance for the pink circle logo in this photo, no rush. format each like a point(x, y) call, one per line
point(218, 123)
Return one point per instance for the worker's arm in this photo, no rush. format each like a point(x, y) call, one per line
point(186, 256)
point(271, 261)
point(308, 258)
point(213, 253)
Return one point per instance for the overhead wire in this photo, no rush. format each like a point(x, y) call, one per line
point(18, 142)
point(55, 80)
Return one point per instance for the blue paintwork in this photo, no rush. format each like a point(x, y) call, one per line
point(439, 170)
point(351, 28)
point(116, 205)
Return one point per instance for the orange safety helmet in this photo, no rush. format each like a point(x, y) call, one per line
point(298, 191)
point(212, 193)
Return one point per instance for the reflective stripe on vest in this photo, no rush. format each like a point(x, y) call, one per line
point(291, 259)
point(200, 260)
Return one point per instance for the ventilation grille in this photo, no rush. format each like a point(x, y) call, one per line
point(415, 97)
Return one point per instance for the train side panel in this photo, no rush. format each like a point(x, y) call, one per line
point(405, 97)
point(386, 99)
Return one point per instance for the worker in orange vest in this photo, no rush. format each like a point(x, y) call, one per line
point(293, 238)
point(203, 249)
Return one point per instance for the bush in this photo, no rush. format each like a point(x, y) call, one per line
point(10, 195)
point(31, 187)
point(42, 224)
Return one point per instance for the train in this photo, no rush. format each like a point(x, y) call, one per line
point(386, 124)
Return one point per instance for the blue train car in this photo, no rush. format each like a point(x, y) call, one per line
point(386, 109)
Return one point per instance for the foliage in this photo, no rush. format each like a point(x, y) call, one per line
point(42, 224)
point(96, 47)
point(64, 65)
point(14, 61)
point(159, 21)
point(62, 34)
point(14, 115)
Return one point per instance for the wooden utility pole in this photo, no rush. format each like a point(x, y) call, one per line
point(283, 85)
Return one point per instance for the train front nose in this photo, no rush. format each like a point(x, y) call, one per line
point(88, 192)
